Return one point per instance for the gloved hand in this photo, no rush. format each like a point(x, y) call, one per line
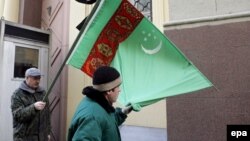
point(127, 109)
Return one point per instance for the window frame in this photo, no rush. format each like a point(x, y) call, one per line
point(27, 47)
point(148, 16)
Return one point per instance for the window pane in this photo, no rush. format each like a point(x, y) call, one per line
point(25, 58)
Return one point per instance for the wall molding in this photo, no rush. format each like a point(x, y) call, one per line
point(211, 20)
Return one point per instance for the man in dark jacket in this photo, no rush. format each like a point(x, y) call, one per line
point(95, 118)
point(31, 116)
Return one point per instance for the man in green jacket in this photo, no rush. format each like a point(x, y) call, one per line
point(31, 116)
point(95, 118)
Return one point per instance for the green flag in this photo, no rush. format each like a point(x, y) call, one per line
point(152, 68)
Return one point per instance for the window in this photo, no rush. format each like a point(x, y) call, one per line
point(144, 6)
point(25, 58)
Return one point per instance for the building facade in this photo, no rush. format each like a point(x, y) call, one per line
point(214, 35)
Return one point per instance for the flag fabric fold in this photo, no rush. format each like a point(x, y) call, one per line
point(151, 66)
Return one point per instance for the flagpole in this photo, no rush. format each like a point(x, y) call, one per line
point(58, 73)
point(70, 51)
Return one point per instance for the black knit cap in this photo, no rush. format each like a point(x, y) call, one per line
point(106, 78)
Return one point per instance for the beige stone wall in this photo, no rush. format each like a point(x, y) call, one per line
point(9, 10)
point(76, 79)
point(150, 116)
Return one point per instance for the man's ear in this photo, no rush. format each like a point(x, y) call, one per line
point(109, 92)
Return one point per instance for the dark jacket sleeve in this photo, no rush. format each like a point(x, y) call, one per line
point(48, 116)
point(120, 116)
point(19, 111)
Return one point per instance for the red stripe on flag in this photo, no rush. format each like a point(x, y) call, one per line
point(119, 27)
